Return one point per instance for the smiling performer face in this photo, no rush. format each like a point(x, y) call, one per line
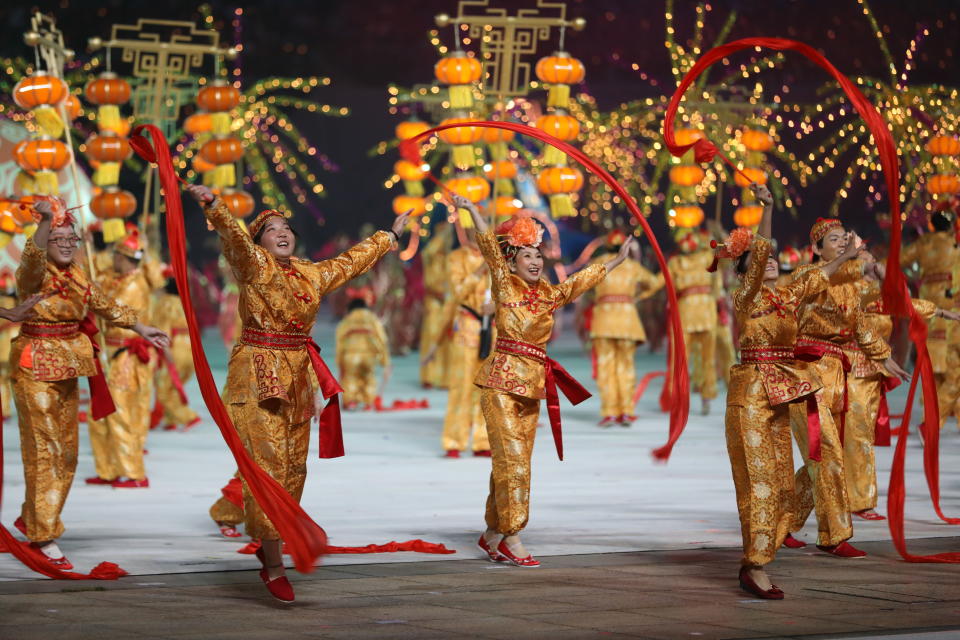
point(271, 231)
point(528, 264)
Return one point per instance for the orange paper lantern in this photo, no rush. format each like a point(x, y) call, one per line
point(197, 123)
point(944, 146)
point(501, 169)
point(560, 68)
point(473, 188)
point(240, 203)
point(113, 203)
point(108, 147)
point(492, 136)
point(748, 175)
point(409, 171)
point(507, 205)
point(748, 215)
point(756, 140)
point(200, 165)
point(559, 125)
point(107, 88)
point(410, 128)
point(39, 89)
point(222, 150)
point(72, 105)
point(687, 216)
point(687, 136)
point(460, 135)
point(943, 183)
point(458, 68)
point(416, 205)
point(686, 175)
point(41, 154)
point(554, 180)
point(219, 95)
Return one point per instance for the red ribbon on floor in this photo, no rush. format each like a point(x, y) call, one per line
point(418, 546)
point(896, 297)
point(101, 402)
point(680, 378)
point(643, 384)
point(331, 429)
point(881, 429)
point(305, 538)
point(557, 376)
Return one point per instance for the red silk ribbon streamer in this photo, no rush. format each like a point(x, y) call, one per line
point(643, 384)
point(881, 429)
point(101, 402)
point(233, 492)
point(304, 537)
point(813, 428)
point(557, 376)
point(141, 348)
point(331, 429)
point(680, 377)
point(896, 298)
point(418, 546)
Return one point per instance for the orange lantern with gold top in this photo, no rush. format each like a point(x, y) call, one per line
point(41, 93)
point(459, 71)
point(218, 98)
point(686, 175)
point(411, 174)
point(219, 151)
point(200, 165)
point(415, 205)
point(943, 146)
point(462, 140)
point(506, 206)
point(558, 183)
point(943, 184)
point(42, 158)
point(473, 188)
point(410, 129)
point(198, 123)
point(73, 107)
point(108, 150)
point(562, 126)
point(559, 70)
point(108, 91)
point(748, 175)
point(112, 205)
point(686, 216)
point(756, 140)
point(238, 202)
point(748, 215)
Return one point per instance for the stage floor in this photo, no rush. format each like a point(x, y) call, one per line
point(607, 496)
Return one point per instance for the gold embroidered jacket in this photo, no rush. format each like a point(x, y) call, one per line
point(131, 289)
point(524, 314)
point(361, 333)
point(69, 296)
point(697, 290)
point(615, 309)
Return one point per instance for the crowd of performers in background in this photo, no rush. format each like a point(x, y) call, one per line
point(814, 345)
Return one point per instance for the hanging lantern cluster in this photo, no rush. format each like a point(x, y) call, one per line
point(42, 157)
point(685, 177)
point(556, 180)
point(945, 151)
point(221, 150)
point(460, 72)
point(107, 150)
point(756, 142)
point(411, 174)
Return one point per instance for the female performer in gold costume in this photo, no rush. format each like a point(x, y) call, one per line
point(518, 374)
point(50, 353)
point(269, 394)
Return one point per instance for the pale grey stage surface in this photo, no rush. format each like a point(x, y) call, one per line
point(607, 496)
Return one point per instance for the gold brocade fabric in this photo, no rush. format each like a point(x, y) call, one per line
point(512, 421)
point(118, 440)
point(225, 512)
point(7, 333)
point(525, 314)
point(269, 392)
point(361, 344)
point(937, 256)
point(859, 462)
point(615, 309)
point(69, 296)
point(47, 412)
point(616, 375)
point(168, 316)
point(948, 387)
point(697, 290)
point(434, 256)
point(702, 348)
point(464, 416)
point(726, 353)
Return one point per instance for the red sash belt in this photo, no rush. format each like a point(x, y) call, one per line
point(141, 348)
point(692, 291)
point(757, 355)
point(331, 430)
point(179, 331)
point(811, 350)
point(937, 334)
point(556, 376)
point(937, 277)
point(101, 402)
point(613, 299)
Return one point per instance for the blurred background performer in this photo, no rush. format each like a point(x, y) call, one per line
point(361, 346)
point(433, 372)
point(168, 315)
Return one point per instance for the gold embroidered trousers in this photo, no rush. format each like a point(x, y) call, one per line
point(616, 375)
point(174, 410)
point(359, 378)
point(463, 398)
point(701, 345)
point(859, 464)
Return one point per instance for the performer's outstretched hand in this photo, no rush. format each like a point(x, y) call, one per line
point(949, 315)
point(154, 336)
point(622, 254)
point(23, 311)
point(891, 365)
point(203, 195)
point(400, 224)
point(462, 203)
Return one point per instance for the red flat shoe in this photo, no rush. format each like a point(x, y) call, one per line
point(492, 555)
point(607, 421)
point(99, 480)
point(60, 563)
point(130, 483)
point(508, 556)
point(626, 420)
point(20, 525)
point(250, 548)
point(792, 543)
point(747, 584)
point(280, 588)
point(482, 454)
point(229, 531)
point(190, 425)
point(869, 514)
point(843, 550)
point(452, 453)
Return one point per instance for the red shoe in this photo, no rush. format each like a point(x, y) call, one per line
point(250, 548)
point(82, 416)
point(169, 427)
point(21, 527)
point(843, 550)
point(99, 480)
point(869, 514)
point(607, 421)
point(156, 415)
point(60, 563)
point(130, 483)
point(492, 555)
point(508, 556)
point(792, 543)
point(229, 531)
point(626, 420)
point(280, 588)
point(748, 585)
point(483, 454)
point(190, 425)
point(452, 453)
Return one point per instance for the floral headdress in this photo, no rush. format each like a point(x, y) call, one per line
point(519, 232)
point(733, 247)
point(61, 215)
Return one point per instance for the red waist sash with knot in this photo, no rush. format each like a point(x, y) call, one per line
point(767, 355)
point(813, 349)
point(101, 402)
point(881, 428)
point(141, 348)
point(331, 429)
point(556, 376)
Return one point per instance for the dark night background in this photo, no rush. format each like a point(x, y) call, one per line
point(364, 45)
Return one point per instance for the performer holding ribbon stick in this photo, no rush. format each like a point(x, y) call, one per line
point(268, 393)
point(518, 374)
point(51, 352)
point(763, 388)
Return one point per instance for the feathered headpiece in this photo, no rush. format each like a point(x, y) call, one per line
point(733, 247)
point(519, 232)
point(262, 218)
point(61, 215)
